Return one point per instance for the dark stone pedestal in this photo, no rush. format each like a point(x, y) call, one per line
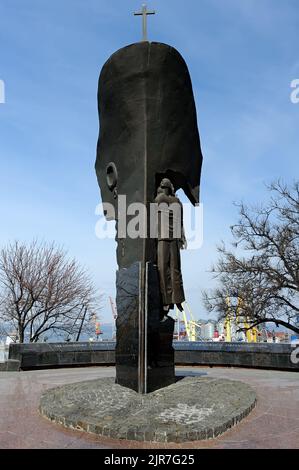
point(159, 353)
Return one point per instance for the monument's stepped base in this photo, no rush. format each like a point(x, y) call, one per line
point(194, 408)
point(256, 355)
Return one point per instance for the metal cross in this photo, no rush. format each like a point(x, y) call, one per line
point(144, 14)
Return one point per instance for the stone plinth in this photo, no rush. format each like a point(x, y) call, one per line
point(194, 408)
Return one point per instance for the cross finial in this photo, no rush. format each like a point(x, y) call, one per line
point(144, 14)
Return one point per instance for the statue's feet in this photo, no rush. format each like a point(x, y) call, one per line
point(166, 317)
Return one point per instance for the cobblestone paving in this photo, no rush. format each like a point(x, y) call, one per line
point(194, 408)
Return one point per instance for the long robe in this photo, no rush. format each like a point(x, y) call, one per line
point(170, 226)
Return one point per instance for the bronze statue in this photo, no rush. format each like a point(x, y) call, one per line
point(171, 239)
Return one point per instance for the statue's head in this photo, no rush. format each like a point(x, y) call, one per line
point(148, 133)
point(136, 150)
point(167, 184)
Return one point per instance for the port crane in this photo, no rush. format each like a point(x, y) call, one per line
point(239, 320)
point(190, 325)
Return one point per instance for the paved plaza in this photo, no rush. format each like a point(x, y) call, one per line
point(274, 423)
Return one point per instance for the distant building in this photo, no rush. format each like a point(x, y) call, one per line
point(207, 330)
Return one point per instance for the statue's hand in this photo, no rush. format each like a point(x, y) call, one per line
point(183, 243)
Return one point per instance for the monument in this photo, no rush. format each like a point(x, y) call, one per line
point(148, 148)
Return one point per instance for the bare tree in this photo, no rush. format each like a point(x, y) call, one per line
point(43, 293)
point(263, 268)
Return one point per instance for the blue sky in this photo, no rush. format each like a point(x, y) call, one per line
point(242, 56)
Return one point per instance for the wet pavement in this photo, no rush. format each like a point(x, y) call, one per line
point(274, 423)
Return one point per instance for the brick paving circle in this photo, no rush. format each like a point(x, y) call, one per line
point(192, 409)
